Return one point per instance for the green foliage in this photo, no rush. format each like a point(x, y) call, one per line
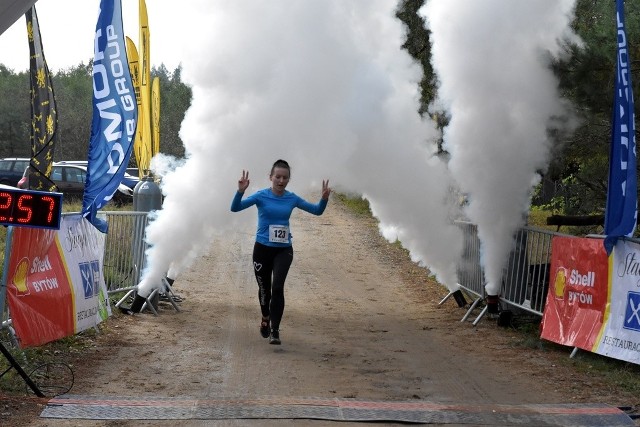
point(15, 110)
point(418, 45)
point(175, 99)
point(587, 79)
point(538, 218)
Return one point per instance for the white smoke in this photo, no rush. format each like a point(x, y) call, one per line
point(324, 85)
point(492, 59)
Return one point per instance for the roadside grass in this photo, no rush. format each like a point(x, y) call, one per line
point(355, 203)
point(617, 374)
point(538, 218)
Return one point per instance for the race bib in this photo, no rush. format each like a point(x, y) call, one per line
point(278, 234)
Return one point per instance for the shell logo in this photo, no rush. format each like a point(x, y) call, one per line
point(560, 282)
point(20, 276)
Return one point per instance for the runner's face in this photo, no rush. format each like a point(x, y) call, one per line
point(279, 180)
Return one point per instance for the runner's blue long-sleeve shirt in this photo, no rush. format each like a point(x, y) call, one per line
point(274, 212)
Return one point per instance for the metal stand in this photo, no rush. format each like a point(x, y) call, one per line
point(155, 294)
point(124, 298)
point(168, 290)
point(481, 315)
point(446, 297)
point(473, 307)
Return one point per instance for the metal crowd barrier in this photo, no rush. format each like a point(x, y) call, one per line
point(124, 251)
point(525, 280)
point(526, 277)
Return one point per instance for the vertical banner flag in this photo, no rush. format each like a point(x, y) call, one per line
point(622, 199)
point(44, 114)
point(155, 116)
point(113, 126)
point(134, 66)
point(145, 89)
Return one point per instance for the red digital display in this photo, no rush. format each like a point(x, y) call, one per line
point(28, 208)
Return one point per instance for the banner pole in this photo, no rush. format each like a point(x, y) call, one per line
point(3, 292)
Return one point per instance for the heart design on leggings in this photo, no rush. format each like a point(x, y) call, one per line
point(257, 266)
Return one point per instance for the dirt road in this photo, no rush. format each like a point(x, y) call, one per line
point(361, 321)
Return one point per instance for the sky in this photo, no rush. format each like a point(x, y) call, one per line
point(68, 26)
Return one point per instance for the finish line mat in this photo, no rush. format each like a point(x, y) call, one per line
point(414, 411)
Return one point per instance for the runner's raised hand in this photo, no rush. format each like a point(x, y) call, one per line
point(326, 190)
point(243, 182)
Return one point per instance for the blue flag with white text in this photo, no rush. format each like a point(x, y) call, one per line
point(114, 113)
point(622, 198)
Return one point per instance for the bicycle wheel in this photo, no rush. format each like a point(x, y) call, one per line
point(53, 379)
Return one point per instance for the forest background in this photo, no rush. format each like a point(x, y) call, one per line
point(575, 182)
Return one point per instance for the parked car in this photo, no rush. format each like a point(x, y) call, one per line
point(70, 180)
point(128, 179)
point(11, 170)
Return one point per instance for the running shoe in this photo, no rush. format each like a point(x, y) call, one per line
point(275, 337)
point(264, 328)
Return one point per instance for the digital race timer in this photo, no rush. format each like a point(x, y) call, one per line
point(28, 208)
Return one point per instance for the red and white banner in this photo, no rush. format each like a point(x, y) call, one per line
point(578, 282)
point(55, 282)
point(593, 301)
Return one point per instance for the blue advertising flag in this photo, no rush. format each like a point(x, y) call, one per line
point(114, 113)
point(622, 198)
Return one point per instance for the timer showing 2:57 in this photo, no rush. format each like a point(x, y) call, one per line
point(29, 208)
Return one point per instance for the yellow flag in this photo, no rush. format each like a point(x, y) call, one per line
point(144, 122)
point(134, 67)
point(155, 116)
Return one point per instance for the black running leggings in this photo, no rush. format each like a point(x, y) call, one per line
point(271, 265)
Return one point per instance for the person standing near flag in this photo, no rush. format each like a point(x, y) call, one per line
point(273, 249)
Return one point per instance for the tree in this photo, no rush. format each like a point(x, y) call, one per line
point(587, 79)
point(73, 89)
point(175, 99)
point(15, 112)
point(418, 45)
